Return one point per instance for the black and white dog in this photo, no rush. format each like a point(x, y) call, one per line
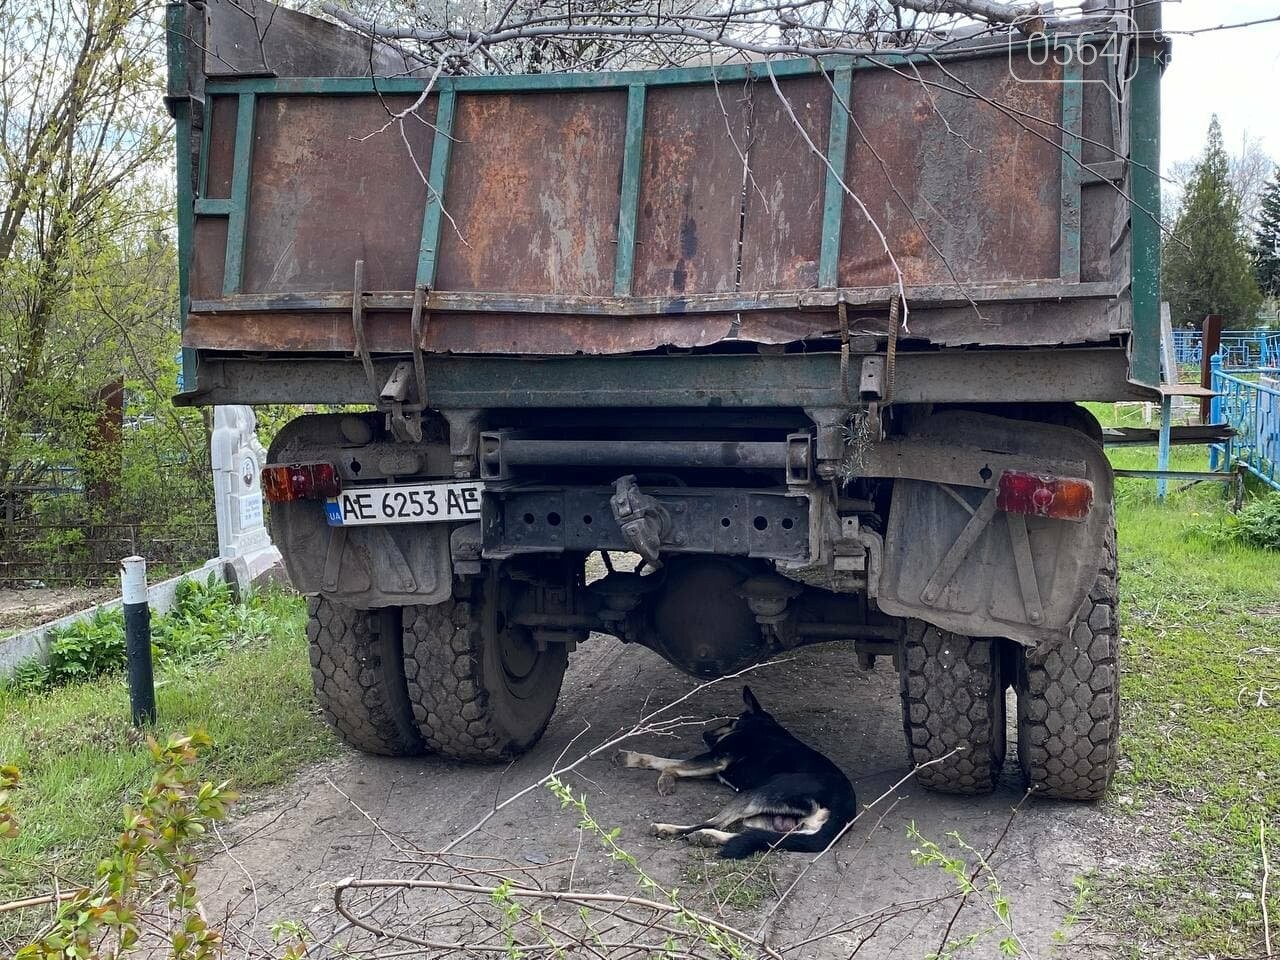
point(790, 796)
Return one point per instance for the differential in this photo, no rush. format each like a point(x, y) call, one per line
point(701, 623)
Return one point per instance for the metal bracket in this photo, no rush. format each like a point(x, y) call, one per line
point(404, 419)
point(417, 326)
point(842, 312)
point(357, 325)
point(1025, 564)
point(643, 520)
point(952, 559)
point(799, 459)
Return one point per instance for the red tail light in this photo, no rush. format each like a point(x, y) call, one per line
point(282, 482)
point(1056, 497)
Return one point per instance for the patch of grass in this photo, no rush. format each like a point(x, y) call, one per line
point(740, 885)
point(81, 759)
point(1200, 621)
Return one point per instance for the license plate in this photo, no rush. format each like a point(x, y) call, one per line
point(406, 503)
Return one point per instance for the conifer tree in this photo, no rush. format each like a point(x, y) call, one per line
point(1207, 262)
point(1266, 239)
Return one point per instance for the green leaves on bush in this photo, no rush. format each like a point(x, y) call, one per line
point(106, 920)
point(204, 621)
point(1256, 525)
point(86, 649)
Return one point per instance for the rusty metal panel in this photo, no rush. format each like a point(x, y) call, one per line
point(208, 257)
point(387, 331)
point(782, 233)
point(533, 190)
point(322, 197)
point(1098, 201)
point(985, 192)
point(222, 145)
point(256, 37)
point(691, 189)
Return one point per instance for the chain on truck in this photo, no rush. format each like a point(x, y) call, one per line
point(576, 329)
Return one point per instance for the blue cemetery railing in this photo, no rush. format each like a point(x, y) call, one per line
point(1252, 408)
point(1241, 349)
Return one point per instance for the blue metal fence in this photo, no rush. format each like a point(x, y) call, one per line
point(1240, 349)
point(1252, 407)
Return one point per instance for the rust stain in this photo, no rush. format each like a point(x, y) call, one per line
point(534, 186)
point(690, 190)
point(222, 144)
point(322, 198)
point(208, 257)
point(782, 235)
point(992, 211)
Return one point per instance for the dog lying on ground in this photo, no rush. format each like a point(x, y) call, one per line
point(790, 796)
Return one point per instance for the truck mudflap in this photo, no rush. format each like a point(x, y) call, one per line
point(973, 557)
point(361, 566)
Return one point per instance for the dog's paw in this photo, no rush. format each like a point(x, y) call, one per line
point(705, 838)
point(666, 784)
point(626, 758)
point(667, 830)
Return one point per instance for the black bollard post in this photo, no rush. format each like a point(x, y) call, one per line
point(137, 640)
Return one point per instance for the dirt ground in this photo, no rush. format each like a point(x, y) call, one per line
point(284, 855)
point(30, 608)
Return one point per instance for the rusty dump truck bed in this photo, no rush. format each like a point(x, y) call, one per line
point(632, 213)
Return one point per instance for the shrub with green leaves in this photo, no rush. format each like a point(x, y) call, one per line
point(204, 621)
point(1256, 525)
point(87, 649)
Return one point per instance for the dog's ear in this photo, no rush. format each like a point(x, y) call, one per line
point(750, 700)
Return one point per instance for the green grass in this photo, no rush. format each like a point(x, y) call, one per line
point(1201, 759)
point(739, 884)
point(81, 760)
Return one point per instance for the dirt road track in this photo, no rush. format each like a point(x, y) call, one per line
point(296, 844)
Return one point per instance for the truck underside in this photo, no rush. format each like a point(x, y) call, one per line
point(581, 322)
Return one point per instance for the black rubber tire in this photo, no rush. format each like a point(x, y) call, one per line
point(357, 668)
point(952, 696)
point(467, 703)
point(1069, 697)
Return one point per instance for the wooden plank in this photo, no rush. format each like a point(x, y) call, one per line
point(1072, 146)
point(178, 54)
point(833, 197)
point(233, 276)
point(441, 147)
point(1185, 435)
point(632, 153)
point(1164, 475)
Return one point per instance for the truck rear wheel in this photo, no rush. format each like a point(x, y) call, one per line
point(479, 692)
point(952, 708)
point(1069, 697)
point(357, 671)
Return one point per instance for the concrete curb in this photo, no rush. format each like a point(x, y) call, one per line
point(34, 642)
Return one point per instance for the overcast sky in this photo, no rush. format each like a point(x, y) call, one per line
point(1233, 73)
